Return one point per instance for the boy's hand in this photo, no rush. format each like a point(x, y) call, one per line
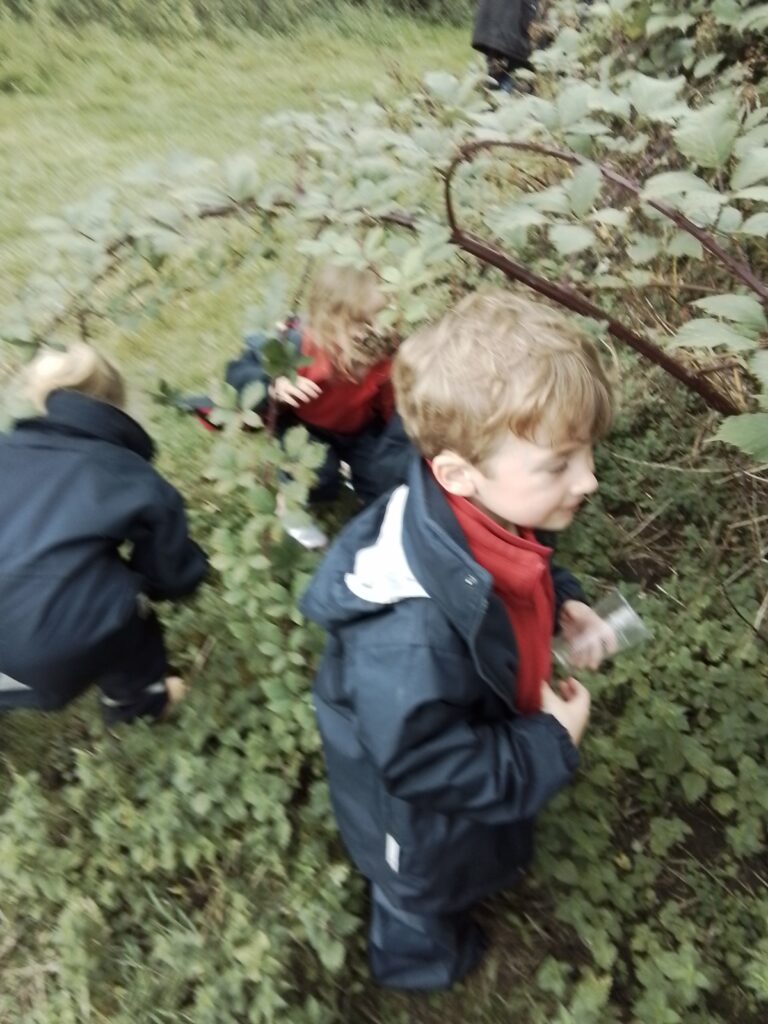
point(590, 639)
point(288, 392)
point(571, 708)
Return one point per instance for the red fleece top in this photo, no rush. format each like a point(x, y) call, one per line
point(345, 406)
point(522, 579)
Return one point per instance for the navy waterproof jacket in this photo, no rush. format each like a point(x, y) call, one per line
point(75, 485)
point(434, 777)
point(503, 26)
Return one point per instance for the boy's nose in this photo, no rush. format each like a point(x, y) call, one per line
point(587, 484)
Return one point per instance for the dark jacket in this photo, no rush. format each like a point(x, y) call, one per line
point(502, 28)
point(435, 779)
point(76, 484)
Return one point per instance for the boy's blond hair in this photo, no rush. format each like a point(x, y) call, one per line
point(498, 363)
point(79, 368)
point(343, 303)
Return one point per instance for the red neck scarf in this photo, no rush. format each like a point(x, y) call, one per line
point(519, 566)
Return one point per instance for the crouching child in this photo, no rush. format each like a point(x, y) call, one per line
point(342, 394)
point(78, 486)
point(442, 734)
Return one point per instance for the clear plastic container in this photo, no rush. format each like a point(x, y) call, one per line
point(625, 629)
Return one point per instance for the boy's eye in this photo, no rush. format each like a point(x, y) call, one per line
point(559, 467)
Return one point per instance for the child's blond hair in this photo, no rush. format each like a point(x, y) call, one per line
point(343, 303)
point(498, 363)
point(79, 368)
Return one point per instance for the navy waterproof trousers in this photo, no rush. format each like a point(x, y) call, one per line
point(421, 952)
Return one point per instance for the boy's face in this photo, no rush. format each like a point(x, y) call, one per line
point(533, 485)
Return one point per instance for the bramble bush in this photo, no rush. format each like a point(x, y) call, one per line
point(193, 873)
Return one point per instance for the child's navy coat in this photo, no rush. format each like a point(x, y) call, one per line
point(74, 485)
point(435, 779)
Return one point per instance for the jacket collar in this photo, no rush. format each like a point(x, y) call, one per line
point(438, 553)
point(71, 414)
point(409, 545)
point(441, 561)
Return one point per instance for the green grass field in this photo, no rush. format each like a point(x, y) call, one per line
point(86, 108)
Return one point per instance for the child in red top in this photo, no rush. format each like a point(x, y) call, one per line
point(343, 396)
point(347, 385)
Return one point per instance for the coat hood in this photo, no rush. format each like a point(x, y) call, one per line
point(72, 414)
point(406, 545)
point(366, 568)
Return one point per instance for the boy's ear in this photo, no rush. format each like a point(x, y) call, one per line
point(454, 474)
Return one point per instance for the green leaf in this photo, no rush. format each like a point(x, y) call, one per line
point(672, 183)
point(552, 977)
point(730, 220)
point(655, 98)
point(572, 104)
point(755, 193)
point(584, 188)
point(665, 833)
point(695, 754)
point(684, 244)
point(706, 333)
point(706, 136)
point(751, 169)
point(702, 207)
point(707, 65)
point(552, 200)
point(723, 803)
point(565, 870)
point(253, 394)
point(758, 365)
point(662, 22)
point(391, 275)
point(757, 224)
point(754, 20)
point(278, 358)
point(749, 432)
point(201, 803)
point(331, 953)
point(751, 140)
point(518, 215)
point(569, 239)
point(694, 786)
point(295, 441)
point(723, 777)
point(742, 309)
point(610, 216)
point(643, 249)
point(443, 85)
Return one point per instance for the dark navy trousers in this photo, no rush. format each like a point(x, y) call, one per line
point(422, 952)
point(129, 668)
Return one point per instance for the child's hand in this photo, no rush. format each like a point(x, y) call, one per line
point(288, 392)
point(571, 708)
point(590, 639)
